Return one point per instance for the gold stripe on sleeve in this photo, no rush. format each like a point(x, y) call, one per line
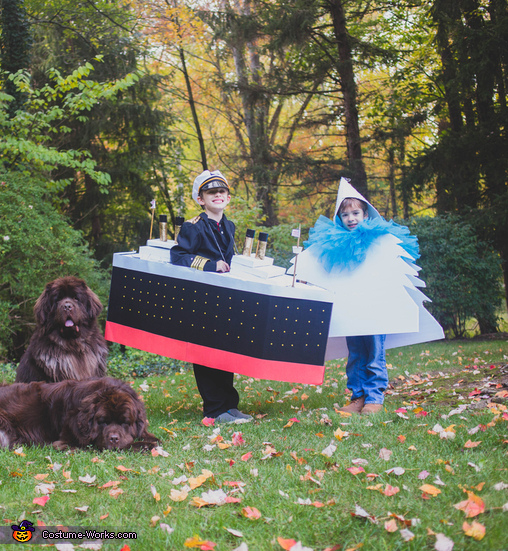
point(199, 262)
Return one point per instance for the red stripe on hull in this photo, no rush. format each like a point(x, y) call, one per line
point(212, 357)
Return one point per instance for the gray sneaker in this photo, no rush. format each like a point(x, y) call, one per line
point(226, 417)
point(239, 415)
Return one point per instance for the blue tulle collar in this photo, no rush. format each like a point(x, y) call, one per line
point(339, 248)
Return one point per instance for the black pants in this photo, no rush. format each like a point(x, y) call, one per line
point(216, 389)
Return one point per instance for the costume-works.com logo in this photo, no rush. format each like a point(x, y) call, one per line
point(23, 532)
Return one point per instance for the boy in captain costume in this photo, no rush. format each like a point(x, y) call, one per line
point(368, 265)
point(207, 243)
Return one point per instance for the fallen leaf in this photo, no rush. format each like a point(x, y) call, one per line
point(286, 543)
point(83, 508)
point(208, 421)
point(360, 512)
point(401, 438)
point(391, 490)
point(237, 439)
point(443, 543)
point(155, 493)
point(423, 475)
point(122, 469)
point(340, 434)
point(391, 525)
point(41, 500)
point(396, 470)
point(246, 456)
point(474, 530)
point(470, 444)
point(177, 495)
point(356, 470)
point(406, 534)
point(430, 490)
point(236, 533)
point(329, 450)
point(196, 541)
point(166, 528)
point(472, 506)
point(385, 454)
point(251, 512)
point(87, 479)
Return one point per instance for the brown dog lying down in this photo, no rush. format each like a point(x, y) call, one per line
point(105, 413)
point(67, 342)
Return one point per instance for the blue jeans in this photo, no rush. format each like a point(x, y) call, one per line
point(366, 368)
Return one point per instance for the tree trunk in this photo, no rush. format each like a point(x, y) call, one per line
point(347, 79)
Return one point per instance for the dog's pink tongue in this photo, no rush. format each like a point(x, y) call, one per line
point(69, 323)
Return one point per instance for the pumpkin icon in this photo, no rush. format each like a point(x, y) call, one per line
point(23, 532)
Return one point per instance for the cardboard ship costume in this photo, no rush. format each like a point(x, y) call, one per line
point(373, 278)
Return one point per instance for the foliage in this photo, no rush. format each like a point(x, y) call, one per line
point(276, 464)
point(125, 362)
point(15, 43)
point(37, 245)
point(462, 272)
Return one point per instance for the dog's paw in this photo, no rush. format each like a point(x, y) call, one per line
point(60, 445)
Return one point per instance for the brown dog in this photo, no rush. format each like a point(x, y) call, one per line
point(105, 413)
point(67, 343)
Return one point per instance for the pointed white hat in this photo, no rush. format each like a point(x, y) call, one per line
point(346, 190)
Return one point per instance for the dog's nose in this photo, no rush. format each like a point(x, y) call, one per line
point(68, 306)
point(114, 438)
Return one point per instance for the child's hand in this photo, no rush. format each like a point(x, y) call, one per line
point(222, 266)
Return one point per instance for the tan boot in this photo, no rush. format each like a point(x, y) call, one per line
point(369, 409)
point(355, 406)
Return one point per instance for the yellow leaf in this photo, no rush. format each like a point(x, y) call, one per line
point(339, 434)
point(474, 530)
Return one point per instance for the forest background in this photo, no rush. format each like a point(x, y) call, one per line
point(106, 105)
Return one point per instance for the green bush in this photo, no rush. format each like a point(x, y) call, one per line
point(37, 245)
point(462, 273)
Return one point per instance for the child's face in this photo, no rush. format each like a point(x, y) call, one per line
point(352, 216)
point(214, 200)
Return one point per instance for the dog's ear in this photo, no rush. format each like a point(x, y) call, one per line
point(86, 425)
point(43, 305)
point(93, 304)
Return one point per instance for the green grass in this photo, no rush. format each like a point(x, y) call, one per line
point(436, 377)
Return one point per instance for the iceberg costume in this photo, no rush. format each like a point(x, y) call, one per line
point(372, 275)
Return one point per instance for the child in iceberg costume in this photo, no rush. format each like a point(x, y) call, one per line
point(368, 265)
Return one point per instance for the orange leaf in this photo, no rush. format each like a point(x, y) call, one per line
point(41, 500)
point(246, 456)
point(286, 544)
point(251, 512)
point(122, 469)
point(356, 470)
point(474, 530)
point(472, 506)
point(430, 490)
point(391, 490)
point(470, 444)
point(401, 438)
